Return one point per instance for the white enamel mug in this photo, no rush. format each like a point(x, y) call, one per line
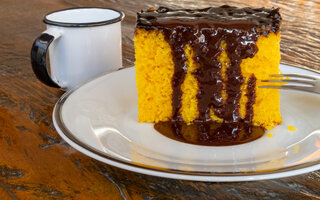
point(83, 43)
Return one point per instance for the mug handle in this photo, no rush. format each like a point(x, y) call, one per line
point(38, 58)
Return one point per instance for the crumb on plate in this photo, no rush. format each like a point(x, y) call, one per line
point(292, 128)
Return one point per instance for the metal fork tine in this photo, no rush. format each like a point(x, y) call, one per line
point(289, 87)
point(310, 82)
point(294, 75)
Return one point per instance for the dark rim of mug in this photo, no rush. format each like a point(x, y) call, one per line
point(89, 24)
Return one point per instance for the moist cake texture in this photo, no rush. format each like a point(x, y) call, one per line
point(206, 65)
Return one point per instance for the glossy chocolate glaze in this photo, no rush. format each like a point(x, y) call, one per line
point(210, 133)
point(251, 95)
point(204, 30)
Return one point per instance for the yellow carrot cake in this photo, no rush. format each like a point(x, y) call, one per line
point(206, 65)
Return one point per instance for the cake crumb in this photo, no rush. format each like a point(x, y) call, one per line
point(269, 135)
point(292, 128)
point(296, 149)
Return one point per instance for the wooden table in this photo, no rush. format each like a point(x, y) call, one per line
point(35, 163)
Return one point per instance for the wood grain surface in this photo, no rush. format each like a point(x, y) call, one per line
point(35, 163)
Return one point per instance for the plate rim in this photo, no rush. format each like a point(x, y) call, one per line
point(69, 137)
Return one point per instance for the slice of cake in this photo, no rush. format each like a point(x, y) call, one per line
point(206, 65)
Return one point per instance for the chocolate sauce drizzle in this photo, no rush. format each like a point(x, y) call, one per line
point(204, 30)
point(251, 95)
point(210, 133)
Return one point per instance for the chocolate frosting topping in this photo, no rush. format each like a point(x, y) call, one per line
point(224, 17)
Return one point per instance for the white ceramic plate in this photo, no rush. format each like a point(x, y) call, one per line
point(100, 120)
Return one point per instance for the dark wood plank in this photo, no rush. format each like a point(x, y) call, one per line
point(35, 163)
point(5, 193)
